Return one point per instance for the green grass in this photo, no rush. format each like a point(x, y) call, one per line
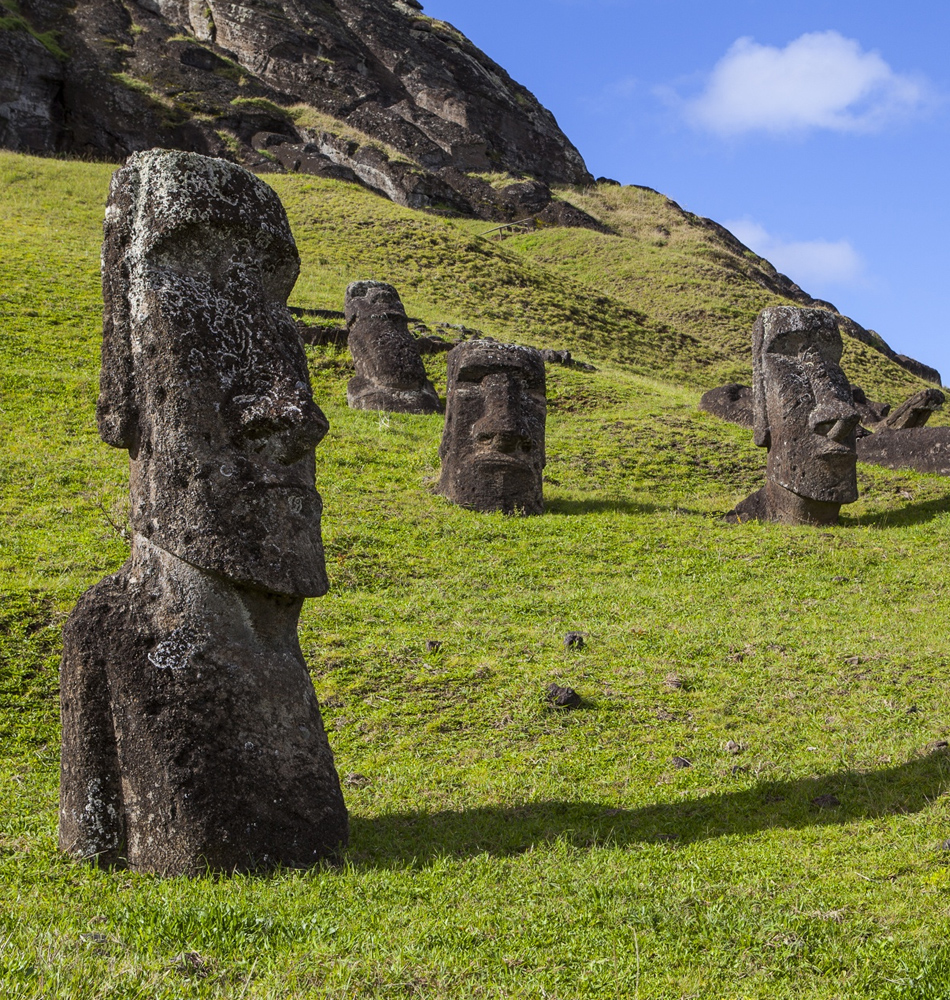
point(500, 848)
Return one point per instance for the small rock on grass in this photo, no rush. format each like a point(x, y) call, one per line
point(433, 645)
point(574, 640)
point(562, 697)
point(354, 780)
point(681, 762)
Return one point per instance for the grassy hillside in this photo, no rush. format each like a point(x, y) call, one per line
point(500, 848)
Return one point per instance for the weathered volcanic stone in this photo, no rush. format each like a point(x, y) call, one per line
point(869, 411)
point(389, 370)
point(916, 411)
point(732, 402)
point(804, 415)
point(192, 738)
point(925, 449)
point(492, 447)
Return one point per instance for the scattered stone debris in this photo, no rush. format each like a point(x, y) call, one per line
point(562, 697)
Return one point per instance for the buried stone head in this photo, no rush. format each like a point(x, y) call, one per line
point(492, 447)
point(192, 736)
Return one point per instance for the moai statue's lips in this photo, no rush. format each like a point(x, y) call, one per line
point(836, 450)
point(503, 459)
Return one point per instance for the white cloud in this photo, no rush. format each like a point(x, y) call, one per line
point(819, 263)
point(821, 80)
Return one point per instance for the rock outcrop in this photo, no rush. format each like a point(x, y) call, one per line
point(367, 90)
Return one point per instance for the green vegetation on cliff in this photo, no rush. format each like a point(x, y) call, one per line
point(500, 848)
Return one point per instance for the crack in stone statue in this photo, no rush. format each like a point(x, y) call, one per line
point(192, 737)
point(492, 447)
point(804, 414)
point(389, 370)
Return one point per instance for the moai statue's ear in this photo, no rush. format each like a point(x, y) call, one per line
point(116, 410)
point(761, 432)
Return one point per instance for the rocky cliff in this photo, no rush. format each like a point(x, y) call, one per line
point(367, 90)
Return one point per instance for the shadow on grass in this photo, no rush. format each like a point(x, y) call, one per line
point(913, 513)
point(400, 839)
point(575, 507)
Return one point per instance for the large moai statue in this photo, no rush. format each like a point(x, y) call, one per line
point(389, 370)
point(492, 447)
point(192, 737)
point(804, 414)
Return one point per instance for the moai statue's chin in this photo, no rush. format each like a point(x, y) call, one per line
point(492, 447)
point(192, 737)
point(804, 415)
point(389, 370)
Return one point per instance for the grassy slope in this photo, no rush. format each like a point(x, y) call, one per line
point(500, 849)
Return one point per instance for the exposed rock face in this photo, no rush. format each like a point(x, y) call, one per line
point(925, 449)
point(492, 447)
point(732, 402)
point(389, 370)
point(804, 415)
point(387, 96)
point(192, 737)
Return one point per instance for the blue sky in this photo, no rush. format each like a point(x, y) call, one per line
point(817, 132)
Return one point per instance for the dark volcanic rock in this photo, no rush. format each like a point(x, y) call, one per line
point(871, 413)
point(192, 737)
point(389, 370)
point(732, 402)
point(210, 77)
point(492, 448)
point(926, 449)
point(562, 697)
point(916, 411)
point(804, 415)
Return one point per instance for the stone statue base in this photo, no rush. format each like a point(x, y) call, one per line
point(364, 394)
point(192, 737)
point(774, 503)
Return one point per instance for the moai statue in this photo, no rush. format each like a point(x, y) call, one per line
point(915, 411)
point(803, 413)
point(492, 447)
point(389, 370)
point(192, 737)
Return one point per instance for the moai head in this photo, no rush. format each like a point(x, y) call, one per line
point(803, 413)
point(204, 379)
point(492, 447)
point(389, 370)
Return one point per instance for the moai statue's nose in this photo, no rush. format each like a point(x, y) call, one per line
point(836, 420)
